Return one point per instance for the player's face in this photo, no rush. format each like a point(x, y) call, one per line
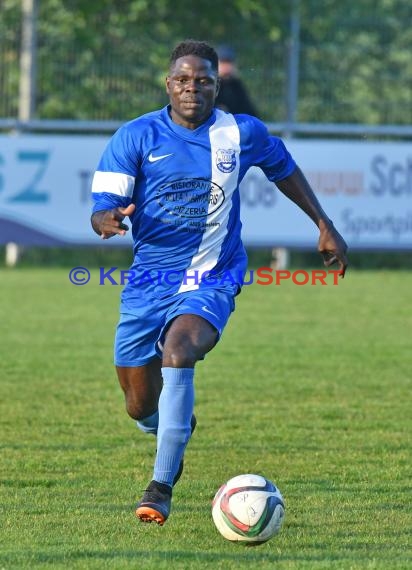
point(192, 89)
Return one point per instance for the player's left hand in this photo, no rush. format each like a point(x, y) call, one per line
point(332, 247)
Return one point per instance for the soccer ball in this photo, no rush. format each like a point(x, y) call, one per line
point(249, 509)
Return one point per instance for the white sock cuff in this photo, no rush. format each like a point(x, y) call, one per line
point(149, 424)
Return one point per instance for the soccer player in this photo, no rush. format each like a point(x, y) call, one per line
point(175, 173)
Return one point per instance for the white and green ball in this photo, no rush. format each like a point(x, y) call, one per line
point(248, 508)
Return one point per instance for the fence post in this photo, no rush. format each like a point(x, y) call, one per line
point(28, 56)
point(293, 68)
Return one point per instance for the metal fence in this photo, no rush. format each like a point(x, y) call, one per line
point(343, 72)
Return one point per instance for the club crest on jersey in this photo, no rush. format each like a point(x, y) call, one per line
point(226, 159)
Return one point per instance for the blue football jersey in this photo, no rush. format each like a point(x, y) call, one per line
point(185, 185)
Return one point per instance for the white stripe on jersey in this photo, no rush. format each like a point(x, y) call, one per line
point(224, 134)
point(113, 183)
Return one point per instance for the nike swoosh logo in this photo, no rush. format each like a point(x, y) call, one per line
point(156, 158)
point(206, 310)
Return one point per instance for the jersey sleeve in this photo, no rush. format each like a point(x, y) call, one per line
point(272, 155)
point(114, 179)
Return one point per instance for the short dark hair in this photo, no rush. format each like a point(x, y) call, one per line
point(194, 47)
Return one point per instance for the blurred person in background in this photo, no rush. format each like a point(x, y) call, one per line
point(233, 96)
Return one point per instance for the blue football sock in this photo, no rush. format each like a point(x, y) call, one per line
point(149, 424)
point(176, 404)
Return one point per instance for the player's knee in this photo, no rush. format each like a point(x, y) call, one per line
point(181, 357)
point(136, 409)
point(133, 410)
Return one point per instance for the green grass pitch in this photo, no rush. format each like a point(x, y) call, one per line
point(309, 386)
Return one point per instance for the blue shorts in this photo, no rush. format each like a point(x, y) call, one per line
point(143, 326)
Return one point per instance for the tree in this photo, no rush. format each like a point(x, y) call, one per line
point(108, 60)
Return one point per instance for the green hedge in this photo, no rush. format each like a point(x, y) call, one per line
point(121, 257)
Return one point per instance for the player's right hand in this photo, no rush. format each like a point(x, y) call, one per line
point(109, 223)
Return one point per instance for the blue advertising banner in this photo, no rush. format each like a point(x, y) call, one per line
point(365, 188)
